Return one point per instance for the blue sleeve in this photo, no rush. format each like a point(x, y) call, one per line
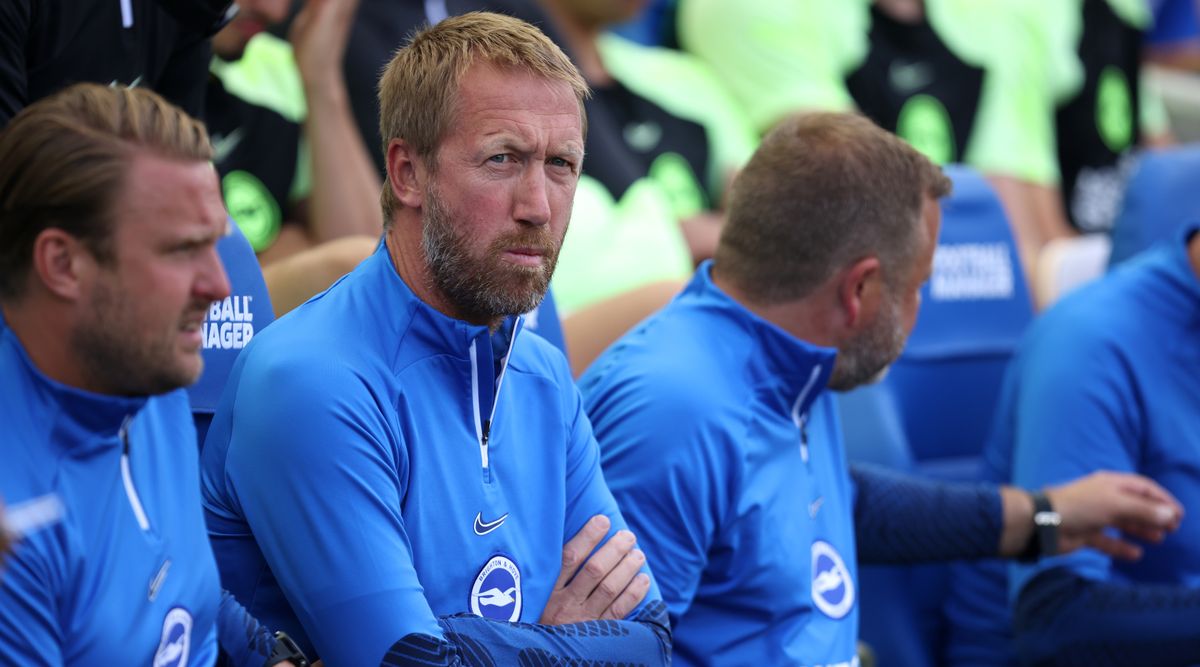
point(1076, 412)
point(587, 492)
point(243, 640)
point(471, 640)
point(1062, 618)
point(30, 632)
point(906, 519)
point(308, 442)
point(1174, 22)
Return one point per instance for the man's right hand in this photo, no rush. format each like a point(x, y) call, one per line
point(606, 586)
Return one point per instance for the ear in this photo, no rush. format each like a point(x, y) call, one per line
point(406, 173)
point(860, 292)
point(62, 263)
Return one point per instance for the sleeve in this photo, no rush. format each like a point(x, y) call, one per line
point(777, 56)
point(15, 25)
point(471, 640)
point(587, 492)
point(674, 480)
point(307, 443)
point(892, 518)
point(1014, 129)
point(1062, 618)
point(1076, 413)
point(243, 640)
point(1175, 22)
point(30, 633)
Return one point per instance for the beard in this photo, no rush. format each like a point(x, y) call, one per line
point(484, 288)
point(121, 357)
point(865, 359)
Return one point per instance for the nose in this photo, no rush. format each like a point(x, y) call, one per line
point(531, 203)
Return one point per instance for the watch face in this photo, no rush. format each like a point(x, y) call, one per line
point(1047, 519)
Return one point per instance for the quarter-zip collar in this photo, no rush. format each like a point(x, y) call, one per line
point(84, 420)
point(432, 330)
point(798, 369)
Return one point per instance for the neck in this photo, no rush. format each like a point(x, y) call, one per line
point(807, 318)
point(44, 331)
point(403, 242)
point(582, 42)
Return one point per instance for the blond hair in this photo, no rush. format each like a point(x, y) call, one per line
point(63, 161)
point(418, 88)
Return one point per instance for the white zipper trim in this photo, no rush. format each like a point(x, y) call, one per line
point(812, 380)
point(800, 419)
point(483, 446)
point(126, 13)
point(483, 453)
point(130, 492)
point(504, 369)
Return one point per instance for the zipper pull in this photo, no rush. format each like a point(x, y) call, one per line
point(484, 435)
point(804, 439)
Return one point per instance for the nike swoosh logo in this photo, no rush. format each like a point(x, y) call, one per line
point(815, 506)
point(223, 146)
point(484, 527)
point(909, 77)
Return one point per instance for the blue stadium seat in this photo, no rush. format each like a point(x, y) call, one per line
point(230, 325)
point(1163, 193)
point(872, 428)
point(974, 310)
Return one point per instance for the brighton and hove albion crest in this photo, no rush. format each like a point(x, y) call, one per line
point(832, 586)
point(176, 639)
point(496, 593)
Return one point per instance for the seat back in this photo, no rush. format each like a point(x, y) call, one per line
point(1163, 193)
point(974, 310)
point(229, 325)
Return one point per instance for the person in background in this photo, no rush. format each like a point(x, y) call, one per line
point(719, 431)
point(295, 175)
point(109, 217)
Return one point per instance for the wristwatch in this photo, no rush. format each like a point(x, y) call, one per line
point(1044, 539)
point(286, 650)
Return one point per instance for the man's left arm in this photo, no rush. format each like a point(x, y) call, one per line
point(892, 516)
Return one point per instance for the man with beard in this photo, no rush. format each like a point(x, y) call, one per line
point(722, 443)
point(449, 452)
point(109, 216)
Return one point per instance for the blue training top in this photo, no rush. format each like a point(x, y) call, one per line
point(383, 465)
point(126, 577)
point(725, 452)
point(1109, 378)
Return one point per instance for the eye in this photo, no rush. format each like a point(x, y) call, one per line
point(560, 162)
point(500, 159)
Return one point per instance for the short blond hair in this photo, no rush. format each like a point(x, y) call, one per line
point(63, 162)
point(418, 88)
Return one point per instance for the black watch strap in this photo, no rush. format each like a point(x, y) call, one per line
point(286, 650)
point(1044, 539)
